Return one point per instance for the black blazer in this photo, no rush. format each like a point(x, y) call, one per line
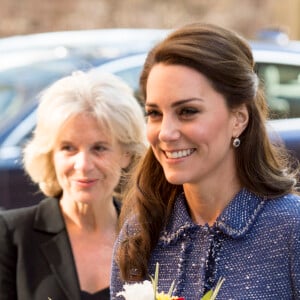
point(36, 261)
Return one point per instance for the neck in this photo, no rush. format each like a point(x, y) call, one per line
point(206, 205)
point(89, 217)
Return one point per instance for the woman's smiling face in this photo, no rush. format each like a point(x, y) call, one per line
point(87, 161)
point(189, 126)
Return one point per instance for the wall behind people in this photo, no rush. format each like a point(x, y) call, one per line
point(247, 16)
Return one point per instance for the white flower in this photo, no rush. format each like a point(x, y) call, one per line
point(148, 290)
point(144, 290)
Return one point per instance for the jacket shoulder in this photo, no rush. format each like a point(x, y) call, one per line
point(17, 218)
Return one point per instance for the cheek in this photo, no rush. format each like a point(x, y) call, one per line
point(151, 134)
point(220, 133)
point(61, 164)
point(219, 121)
point(57, 162)
point(197, 133)
point(112, 171)
point(109, 165)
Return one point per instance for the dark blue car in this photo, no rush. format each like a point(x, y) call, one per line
point(123, 53)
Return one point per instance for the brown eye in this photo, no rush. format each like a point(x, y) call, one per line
point(152, 114)
point(67, 148)
point(99, 148)
point(188, 111)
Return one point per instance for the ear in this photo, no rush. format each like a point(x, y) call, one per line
point(241, 119)
point(126, 159)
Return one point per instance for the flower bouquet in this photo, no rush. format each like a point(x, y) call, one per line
point(148, 290)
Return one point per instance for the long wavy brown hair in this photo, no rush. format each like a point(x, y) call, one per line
point(226, 60)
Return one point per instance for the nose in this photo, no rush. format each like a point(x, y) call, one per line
point(83, 162)
point(169, 130)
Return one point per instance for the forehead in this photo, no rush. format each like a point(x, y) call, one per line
point(163, 75)
point(83, 126)
point(174, 71)
point(178, 83)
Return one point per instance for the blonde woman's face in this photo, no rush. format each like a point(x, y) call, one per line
point(87, 161)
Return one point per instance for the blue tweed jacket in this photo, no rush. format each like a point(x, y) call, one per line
point(254, 245)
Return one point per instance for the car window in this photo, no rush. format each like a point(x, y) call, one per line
point(19, 86)
point(131, 76)
point(282, 87)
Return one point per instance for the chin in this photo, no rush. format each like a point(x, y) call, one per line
point(176, 180)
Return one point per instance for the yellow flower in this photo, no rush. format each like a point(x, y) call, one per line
point(163, 296)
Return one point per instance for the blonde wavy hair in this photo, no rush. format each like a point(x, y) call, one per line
point(103, 96)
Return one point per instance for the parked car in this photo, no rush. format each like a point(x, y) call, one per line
point(278, 67)
point(30, 63)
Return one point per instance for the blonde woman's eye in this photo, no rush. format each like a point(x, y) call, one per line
point(67, 148)
point(99, 148)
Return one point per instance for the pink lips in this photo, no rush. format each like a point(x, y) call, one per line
point(85, 183)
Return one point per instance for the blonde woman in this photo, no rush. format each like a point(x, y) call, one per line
point(89, 133)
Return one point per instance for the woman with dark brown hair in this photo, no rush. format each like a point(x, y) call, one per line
point(213, 197)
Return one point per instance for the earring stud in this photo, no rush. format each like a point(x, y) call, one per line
point(236, 142)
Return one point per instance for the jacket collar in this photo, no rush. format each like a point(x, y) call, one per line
point(235, 221)
point(239, 216)
point(56, 246)
point(48, 217)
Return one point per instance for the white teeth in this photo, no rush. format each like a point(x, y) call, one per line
point(180, 154)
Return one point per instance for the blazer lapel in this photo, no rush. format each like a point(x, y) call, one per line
point(57, 248)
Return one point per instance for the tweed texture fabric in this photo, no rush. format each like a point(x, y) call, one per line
point(254, 245)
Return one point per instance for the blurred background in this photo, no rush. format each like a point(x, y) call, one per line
point(245, 16)
point(28, 64)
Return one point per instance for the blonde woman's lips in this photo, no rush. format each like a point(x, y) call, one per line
point(86, 182)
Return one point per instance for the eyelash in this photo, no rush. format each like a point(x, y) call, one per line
point(99, 148)
point(69, 148)
point(188, 111)
point(182, 112)
point(151, 113)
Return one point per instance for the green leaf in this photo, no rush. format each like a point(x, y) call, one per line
point(207, 296)
point(212, 294)
point(216, 290)
point(155, 280)
point(171, 289)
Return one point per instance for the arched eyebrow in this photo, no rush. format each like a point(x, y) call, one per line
point(176, 103)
